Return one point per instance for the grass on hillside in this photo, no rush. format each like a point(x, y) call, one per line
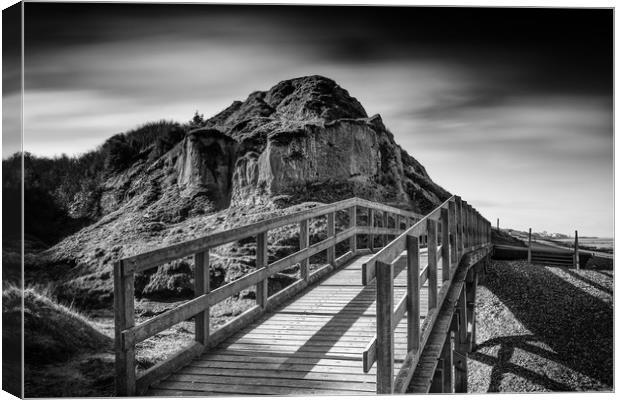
point(65, 353)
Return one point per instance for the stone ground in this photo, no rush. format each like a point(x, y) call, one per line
point(542, 328)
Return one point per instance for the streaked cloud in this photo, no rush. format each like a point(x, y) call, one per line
point(505, 114)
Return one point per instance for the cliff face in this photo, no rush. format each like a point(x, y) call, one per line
point(304, 140)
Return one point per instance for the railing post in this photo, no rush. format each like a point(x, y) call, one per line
point(386, 219)
point(576, 256)
point(385, 333)
point(470, 230)
point(471, 227)
point(465, 226)
point(529, 246)
point(304, 242)
point(125, 364)
point(454, 258)
point(445, 244)
point(432, 263)
point(476, 230)
point(262, 294)
point(371, 224)
point(331, 232)
point(413, 293)
point(202, 286)
point(353, 224)
point(459, 227)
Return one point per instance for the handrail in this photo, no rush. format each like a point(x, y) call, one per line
point(153, 258)
point(128, 333)
point(463, 230)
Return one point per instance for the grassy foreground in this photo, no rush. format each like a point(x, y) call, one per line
point(543, 328)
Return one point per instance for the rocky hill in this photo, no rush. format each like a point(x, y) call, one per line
point(303, 141)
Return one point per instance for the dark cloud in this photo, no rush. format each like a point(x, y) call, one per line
point(563, 49)
point(520, 99)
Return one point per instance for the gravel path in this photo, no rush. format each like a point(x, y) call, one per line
point(543, 329)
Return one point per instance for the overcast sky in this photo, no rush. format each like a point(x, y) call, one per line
point(509, 108)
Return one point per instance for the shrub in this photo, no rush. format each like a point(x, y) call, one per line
point(52, 332)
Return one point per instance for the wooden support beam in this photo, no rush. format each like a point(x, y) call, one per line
point(462, 310)
point(125, 358)
point(437, 382)
point(432, 263)
point(445, 245)
point(447, 386)
point(385, 332)
point(262, 294)
point(352, 224)
point(460, 371)
point(473, 317)
point(413, 293)
point(304, 242)
point(470, 297)
point(202, 286)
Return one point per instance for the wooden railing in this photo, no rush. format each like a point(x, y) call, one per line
point(450, 231)
point(128, 333)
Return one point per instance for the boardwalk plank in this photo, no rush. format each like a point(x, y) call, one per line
point(327, 375)
point(312, 345)
point(250, 389)
point(280, 382)
point(282, 367)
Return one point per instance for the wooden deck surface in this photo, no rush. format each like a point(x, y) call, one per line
point(312, 345)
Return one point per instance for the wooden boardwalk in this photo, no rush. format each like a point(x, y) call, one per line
point(360, 324)
point(313, 345)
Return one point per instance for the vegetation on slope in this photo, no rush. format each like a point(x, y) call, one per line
point(52, 331)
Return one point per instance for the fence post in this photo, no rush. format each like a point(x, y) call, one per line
point(432, 264)
point(353, 224)
point(529, 246)
point(125, 364)
point(465, 226)
point(371, 224)
point(385, 333)
point(454, 258)
point(331, 232)
point(445, 244)
point(201, 286)
point(386, 219)
point(459, 228)
point(262, 294)
point(576, 256)
point(304, 241)
point(413, 293)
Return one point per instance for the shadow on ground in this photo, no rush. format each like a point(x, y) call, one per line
point(571, 327)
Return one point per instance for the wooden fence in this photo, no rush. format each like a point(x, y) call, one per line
point(128, 333)
point(450, 231)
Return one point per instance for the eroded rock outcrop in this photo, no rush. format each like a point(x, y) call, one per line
point(304, 141)
point(307, 133)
